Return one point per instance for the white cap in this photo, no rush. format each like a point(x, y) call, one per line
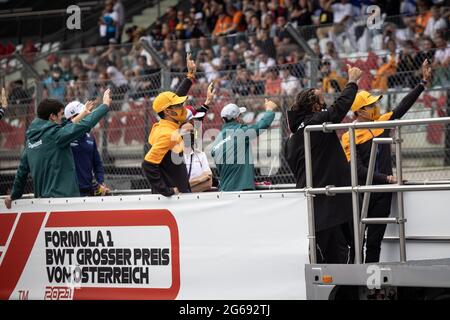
point(231, 111)
point(73, 108)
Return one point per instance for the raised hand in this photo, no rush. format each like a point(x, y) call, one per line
point(270, 105)
point(426, 70)
point(192, 68)
point(210, 93)
point(104, 190)
point(107, 97)
point(4, 99)
point(89, 105)
point(354, 73)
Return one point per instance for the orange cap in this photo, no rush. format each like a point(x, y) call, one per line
point(362, 99)
point(166, 99)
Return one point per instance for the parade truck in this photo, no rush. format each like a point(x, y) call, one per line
point(226, 245)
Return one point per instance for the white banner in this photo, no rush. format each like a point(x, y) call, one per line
point(196, 246)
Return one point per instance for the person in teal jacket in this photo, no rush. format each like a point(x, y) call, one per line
point(48, 156)
point(231, 149)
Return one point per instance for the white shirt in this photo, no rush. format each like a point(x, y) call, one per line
point(405, 34)
point(118, 8)
point(433, 26)
point(340, 11)
point(199, 163)
point(290, 85)
point(103, 27)
point(442, 54)
point(116, 76)
point(210, 72)
point(263, 66)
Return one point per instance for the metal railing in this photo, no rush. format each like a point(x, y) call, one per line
point(355, 189)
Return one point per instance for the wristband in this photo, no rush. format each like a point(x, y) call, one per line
point(190, 75)
point(424, 82)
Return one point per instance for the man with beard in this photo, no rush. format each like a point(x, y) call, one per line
point(332, 215)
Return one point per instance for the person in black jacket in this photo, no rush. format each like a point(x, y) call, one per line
point(366, 109)
point(332, 215)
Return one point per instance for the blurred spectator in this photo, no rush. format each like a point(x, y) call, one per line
point(331, 81)
point(148, 78)
point(29, 51)
point(119, 9)
point(171, 18)
point(204, 61)
point(65, 66)
point(264, 63)
point(254, 25)
point(408, 33)
point(19, 100)
point(91, 61)
point(424, 15)
point(268, 25)
point(273, 82)
point(178, 68)
point(387, 69)
point(435, 23)
point(332, 56)
point(211, 11)
point(441, 62)
point(343, 13)
point(54, 85)
point(303, 10)
point(224, 22)
point(290, 85)
point(108, 23)
point(155, 33)
point(195, 6)
point(243, 84)
point(192, 29)
point(119, 87)
point(112, 56)
point(168, 49)
point(276, 9)
point(408, 7)
point(280, 33)
point(266, 43)
point(325, 18)
point(237, 20)
point(406, 68)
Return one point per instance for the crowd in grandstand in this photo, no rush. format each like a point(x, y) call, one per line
point(245, 46)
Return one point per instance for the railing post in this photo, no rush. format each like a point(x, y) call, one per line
point(309, 197)
point(401, 213)
point(355, 196)
point(366, 200)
